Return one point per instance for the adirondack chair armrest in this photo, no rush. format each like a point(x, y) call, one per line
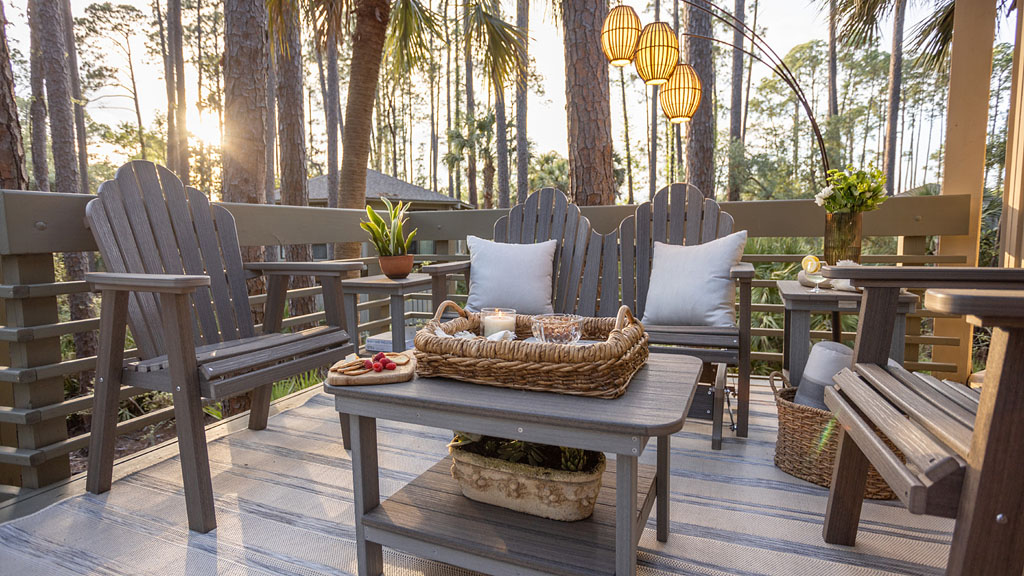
point(742, 271)
point(929, 276)
point(164, 283)
point(446, 268)
point(327, 268)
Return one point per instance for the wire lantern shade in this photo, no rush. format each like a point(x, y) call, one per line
point(680, 96)
point(657, 53)
point(619, 35)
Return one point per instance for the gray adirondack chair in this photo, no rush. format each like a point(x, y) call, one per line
point(679, 214)
point(546, 215)
point(176, 276)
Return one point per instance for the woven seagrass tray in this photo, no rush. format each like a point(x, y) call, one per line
point(808, 442)
point(601, 370)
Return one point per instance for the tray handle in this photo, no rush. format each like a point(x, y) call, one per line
point(444, 308)
point(624, 318)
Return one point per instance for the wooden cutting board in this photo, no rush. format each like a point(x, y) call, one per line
point(402, 373)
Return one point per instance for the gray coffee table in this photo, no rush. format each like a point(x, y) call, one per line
point(381, 285)
point(431, 518)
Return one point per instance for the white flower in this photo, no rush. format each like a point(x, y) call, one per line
point(819, 199)
point(827, 191)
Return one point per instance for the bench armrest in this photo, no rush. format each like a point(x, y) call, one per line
point(742, 270)
point(446, 268)
point(327, 268)
point(929, 276)
point(165, 283)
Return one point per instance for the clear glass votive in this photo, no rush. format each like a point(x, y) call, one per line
point(498, 319)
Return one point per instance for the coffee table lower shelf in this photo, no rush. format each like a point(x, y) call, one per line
point(430, 518)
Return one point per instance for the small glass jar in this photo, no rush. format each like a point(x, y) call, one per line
point(497, 319)
point(557, 328)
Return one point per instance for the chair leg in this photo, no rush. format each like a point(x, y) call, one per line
point(849, 476)
point(718, 408)
point(107, 391)
point(259, 409)
point(188, 412)
point(346, 439)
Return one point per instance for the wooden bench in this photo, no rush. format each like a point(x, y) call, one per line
point(960, 453)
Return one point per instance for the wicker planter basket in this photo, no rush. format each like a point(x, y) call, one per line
point(601, 370)
point(808, 441)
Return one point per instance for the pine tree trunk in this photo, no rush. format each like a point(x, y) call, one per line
point(501, 139)
point(271, 253)
point(172, 133)
point(37, 109)
point(588, 105)
point(700, 148)
point(522, 98)
point(13, 175)
point(333, 118)
point(175, 45)
point(62, 129)
point(367, 51)
point(736, 109)
point(895, 84)
point(833, 79)
point(676, 130)
point(467, 46)
point(79, 104)
point(291, 130)
point(245, 102)
point(448, 92)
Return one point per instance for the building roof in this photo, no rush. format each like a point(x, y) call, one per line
point(379, 185)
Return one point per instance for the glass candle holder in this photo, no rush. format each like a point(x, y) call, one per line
point(498, 319)
point(557, 328)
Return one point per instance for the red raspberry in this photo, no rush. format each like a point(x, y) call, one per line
point(368, 364)
point(377, 367)
point(390, 366)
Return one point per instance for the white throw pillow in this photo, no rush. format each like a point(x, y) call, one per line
point(510, 275)
point(690, 285)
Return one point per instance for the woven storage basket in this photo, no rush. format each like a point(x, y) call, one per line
point(600, 370)
point(808, 441)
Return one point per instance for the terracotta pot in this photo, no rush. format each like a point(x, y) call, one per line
point(554, 494)
point(843, 237)
point(396, 267)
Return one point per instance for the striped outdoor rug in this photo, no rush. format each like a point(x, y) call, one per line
point(284, 507)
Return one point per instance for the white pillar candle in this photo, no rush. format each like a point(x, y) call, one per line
point(498, 319)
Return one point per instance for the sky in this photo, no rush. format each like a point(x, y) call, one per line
point(787, 22)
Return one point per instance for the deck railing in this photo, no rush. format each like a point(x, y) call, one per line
point(34, 227)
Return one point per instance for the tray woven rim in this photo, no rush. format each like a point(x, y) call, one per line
point(603, 369)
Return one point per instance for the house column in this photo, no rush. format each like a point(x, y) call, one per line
point(964, 165)
point(1012, 226)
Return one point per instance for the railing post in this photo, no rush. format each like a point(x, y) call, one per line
point(10, 475)
point(916, 246)
point(22, 312)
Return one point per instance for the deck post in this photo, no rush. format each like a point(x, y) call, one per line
point(22, 312)
point(1012, 233)
point(964, 165)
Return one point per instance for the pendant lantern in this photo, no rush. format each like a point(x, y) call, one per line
point(619, 35)
point(657, 53)
point(680, 96)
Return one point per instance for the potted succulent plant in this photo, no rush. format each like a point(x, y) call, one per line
point(848, 195)
point(553, 482)
point(391, 242)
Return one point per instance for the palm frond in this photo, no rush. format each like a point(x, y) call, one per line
point(328, 18)
point(859, 20)
point(503, 44)
point(280, 15)
point(407, 45)
point(933, 36)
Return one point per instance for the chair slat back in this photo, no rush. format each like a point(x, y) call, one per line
point(678, 214)
point(548, 215)
point(146, 221)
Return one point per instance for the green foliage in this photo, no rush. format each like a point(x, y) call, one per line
point(852, 190)
point(532, 453)
point(549, 170)
point(387, 235)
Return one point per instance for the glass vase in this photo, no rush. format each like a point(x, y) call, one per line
point(843, 237)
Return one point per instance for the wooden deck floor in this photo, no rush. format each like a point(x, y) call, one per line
point(284, 497)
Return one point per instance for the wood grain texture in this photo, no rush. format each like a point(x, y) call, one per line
point(113, 321)
point(654, 404)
